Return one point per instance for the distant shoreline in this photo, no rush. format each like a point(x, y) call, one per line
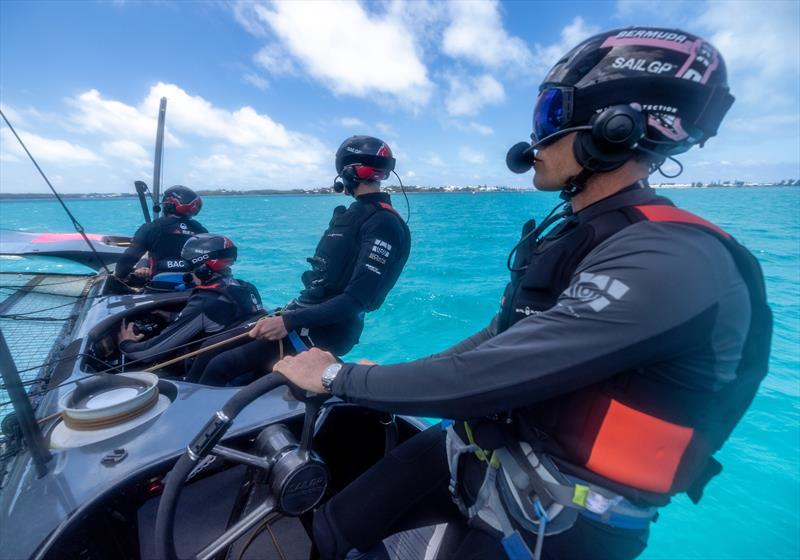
point(391, 189)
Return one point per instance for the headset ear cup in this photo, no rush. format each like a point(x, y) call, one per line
point(203, 272)
point(618, 128)
point(349, 180)
point(616, 131)
point(590, 156)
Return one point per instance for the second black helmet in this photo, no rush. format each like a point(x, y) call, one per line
point(216, 252)
point(366, 158)
point(182, 201)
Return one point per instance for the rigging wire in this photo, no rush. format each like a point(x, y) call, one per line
point(78, 227)
point(408, 204)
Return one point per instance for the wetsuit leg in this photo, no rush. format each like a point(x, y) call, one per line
point(255, 357)
point(405, 489)
point(201, 361)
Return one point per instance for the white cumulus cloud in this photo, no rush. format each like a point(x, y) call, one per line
point(127, 150)
point(51, 150)
point(207, 144)
point(468, 95)
point(380, 62)
point(476, 33)
point(759, 44)
point(96, 114)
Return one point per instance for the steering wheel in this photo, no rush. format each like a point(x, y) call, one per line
point(297, 477)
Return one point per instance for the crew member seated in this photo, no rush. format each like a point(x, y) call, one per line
point(163, 238)
point(217, 302)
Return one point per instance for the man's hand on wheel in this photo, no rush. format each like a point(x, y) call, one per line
point(305, 369)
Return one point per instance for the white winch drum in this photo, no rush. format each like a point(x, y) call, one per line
point(107, 400)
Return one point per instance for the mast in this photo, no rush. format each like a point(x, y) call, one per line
point(162, 113)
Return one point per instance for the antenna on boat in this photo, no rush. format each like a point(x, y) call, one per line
point(162, 113)
point(24, 411)
point(141, 190)
point(78, 227)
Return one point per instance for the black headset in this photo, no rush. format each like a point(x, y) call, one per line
point(604, 144)
point(348, 182)
point(615, 132)
point(203, 272)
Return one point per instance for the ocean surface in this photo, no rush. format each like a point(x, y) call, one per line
point(452, 285)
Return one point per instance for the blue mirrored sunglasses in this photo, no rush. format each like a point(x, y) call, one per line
point(553, 112)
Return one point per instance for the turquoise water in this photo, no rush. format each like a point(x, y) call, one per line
point(452, 286)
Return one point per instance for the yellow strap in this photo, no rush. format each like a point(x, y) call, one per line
point(494, 462)
point(480, 453)
point(580, 494)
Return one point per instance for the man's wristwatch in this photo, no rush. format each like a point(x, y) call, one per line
point(329, 374)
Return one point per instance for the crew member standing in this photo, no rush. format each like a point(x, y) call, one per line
point(630, 340)
point(356, 264)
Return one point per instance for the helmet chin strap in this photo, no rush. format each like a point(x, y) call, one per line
point(576, 184)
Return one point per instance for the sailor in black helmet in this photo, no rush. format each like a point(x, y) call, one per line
point(217, 302)
point(163, 238)
point(356, 263)
point(630, 340)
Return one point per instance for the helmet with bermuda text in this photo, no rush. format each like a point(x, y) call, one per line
point(182, 201)
point(362, 158)
point(661, 90)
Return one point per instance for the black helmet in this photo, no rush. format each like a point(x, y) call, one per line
point(675, 82)
point(207, 253)
point(362, 158)
point(181, 200)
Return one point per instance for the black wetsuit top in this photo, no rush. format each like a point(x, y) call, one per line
point(163, 240)
point(683, 318)
point(210, 309)
point(357, 262)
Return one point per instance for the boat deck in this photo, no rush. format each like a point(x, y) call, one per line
point(37, 311)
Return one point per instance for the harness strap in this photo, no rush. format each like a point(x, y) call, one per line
point(487, 513)
point(528, 491)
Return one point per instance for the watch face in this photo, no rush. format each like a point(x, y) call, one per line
point(329, 374)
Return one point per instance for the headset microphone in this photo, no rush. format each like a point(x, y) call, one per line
point(338, 186)
point(520, 158)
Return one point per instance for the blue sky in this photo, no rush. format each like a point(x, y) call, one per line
point(261, 93)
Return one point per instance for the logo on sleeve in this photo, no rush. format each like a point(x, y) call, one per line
point(596, 290)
